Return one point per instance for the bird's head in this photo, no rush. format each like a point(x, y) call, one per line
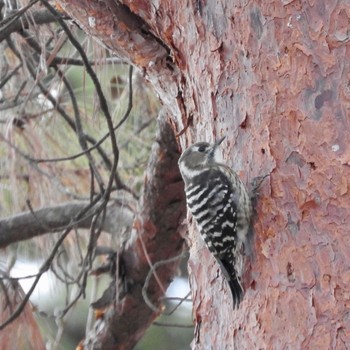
point(198, 156)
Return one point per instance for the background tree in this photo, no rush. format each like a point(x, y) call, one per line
point(274, 77)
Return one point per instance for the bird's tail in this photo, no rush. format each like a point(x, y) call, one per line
point(233, 281)
point(236, 291)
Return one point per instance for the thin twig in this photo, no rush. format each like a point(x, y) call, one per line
point(79, 129)
point(45, 267)
point(51, 177)
point(62, 112)
point(18, 278)
point(95, 232)
point(182, 300)
point(21, 88)
point(103, 102)
point(10, 75)
point(8, 21)
point(152, 272)
point(177, 325)
point(77, 62)
point(104, 138)
point(67, 279)
point(42, 270)
point(101, 96)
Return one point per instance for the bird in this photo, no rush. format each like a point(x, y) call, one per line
point(222, 207)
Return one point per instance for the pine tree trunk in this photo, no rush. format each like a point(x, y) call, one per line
point(274, 77)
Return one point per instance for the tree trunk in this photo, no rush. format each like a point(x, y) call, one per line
point(274, 77)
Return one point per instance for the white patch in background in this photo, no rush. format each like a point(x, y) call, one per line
point(46, 286)
point(179, 288)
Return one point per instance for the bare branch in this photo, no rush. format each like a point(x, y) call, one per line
point(79, 130)
point(68, 61)
point(47, 263)
point(4, 80)
point(25, 225)
point(175, 325)
point(44, 267)
point(180, 302)
point(100, 94)
point(19, 23)
point(104, 138)
point(152, 272)
point(111, 166)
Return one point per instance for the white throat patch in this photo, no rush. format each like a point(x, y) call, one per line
point(188, 173)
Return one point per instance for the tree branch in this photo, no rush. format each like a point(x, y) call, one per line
point(52, 219)
point(132, 38)
point(22, 22)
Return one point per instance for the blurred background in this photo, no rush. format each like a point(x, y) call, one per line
point(33, 128)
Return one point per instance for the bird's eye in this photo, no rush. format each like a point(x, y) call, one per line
point(201, 148)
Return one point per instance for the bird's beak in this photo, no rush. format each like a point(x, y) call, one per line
point(218, 142)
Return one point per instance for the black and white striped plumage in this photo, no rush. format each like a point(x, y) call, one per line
point(221, 205)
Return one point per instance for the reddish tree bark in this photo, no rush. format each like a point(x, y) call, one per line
point(274, 77)
point(156, 227)
point(25, 333)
